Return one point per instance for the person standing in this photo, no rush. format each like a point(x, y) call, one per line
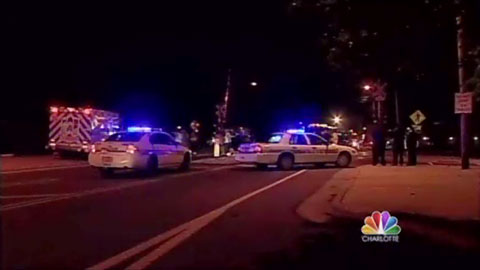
point(412, 140)
point(228, 142)
point(378, 147)
point(334, 138)
point(398, 145)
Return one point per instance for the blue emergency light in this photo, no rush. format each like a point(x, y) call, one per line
point(139, 129)
point(294, 131)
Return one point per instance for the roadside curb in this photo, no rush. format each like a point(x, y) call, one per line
point(326, 202)
point(216, 161)
point(452, 163)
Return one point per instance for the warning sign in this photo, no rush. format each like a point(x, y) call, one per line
point(417, 117)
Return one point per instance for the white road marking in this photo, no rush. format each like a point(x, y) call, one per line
point(45, 169)
point(194, 226)
point(6, 197)
point(24, 204)
point(173, 237)
point(102, 190)
point(27, 183)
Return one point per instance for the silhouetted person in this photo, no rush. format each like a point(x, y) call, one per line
point(398, 145)
point(378, 147)
point(412, 139)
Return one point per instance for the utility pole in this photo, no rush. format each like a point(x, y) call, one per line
point(379, 112)
point(227, 92)
point(219, 135)
point(397, 110)
point(464, 134)
point(223, 107)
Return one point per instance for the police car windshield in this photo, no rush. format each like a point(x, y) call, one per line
point(275, 138)
point(126, 137)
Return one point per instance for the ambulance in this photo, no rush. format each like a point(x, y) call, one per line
point(77, 129)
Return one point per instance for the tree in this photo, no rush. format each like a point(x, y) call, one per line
point(408, 43)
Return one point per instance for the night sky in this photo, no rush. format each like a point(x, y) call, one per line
point(166, 64)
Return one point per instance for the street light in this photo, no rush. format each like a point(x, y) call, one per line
point(367, 87)
point(337, 119)
point(253, 83)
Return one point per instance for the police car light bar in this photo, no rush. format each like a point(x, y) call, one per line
point(295, 131)
point(139, 129)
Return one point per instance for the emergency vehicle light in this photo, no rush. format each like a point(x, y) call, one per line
point(131, 149)
point(258, 149)
point(317, 125)
point(139, 129)
point(295, 131)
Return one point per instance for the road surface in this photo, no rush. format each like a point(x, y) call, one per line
point(211, 217)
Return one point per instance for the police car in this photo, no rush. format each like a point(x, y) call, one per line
point(139, 148)
point(285, 149)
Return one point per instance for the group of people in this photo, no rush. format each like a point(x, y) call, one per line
point(400, 138)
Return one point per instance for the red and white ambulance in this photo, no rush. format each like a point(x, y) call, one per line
point(76, 129)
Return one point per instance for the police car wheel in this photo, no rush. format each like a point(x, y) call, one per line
point(106, 172)
point(186, 162)
point(343, 160)
point(320, 165)
point(285, 162)
point(152, 164)
point(61, 154)
point(261, 166)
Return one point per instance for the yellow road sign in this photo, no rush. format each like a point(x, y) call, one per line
point(417, 117)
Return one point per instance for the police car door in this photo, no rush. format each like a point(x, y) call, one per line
point(163, 148)
point(176, 150)
point(319, 148)
point(300, 148)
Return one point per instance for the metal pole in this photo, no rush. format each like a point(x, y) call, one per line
point(464, 136)
point(396, 108)
point(379, 111)
point(227, 93)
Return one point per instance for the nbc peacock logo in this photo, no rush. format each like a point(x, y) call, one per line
point(381, 227)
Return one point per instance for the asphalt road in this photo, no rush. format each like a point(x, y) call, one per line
point(73, 219)
point(212, 217)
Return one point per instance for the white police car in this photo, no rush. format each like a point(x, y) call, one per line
point(139, 148)
point(285, 149)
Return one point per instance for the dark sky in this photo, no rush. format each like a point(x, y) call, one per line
point(166, 64)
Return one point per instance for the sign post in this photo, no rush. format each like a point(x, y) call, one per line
point(464, 122)
point(379, 95)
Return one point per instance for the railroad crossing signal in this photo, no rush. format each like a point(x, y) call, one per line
point(417, 117)
point(379, 93)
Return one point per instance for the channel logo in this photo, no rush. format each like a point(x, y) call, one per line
point(380, 227)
